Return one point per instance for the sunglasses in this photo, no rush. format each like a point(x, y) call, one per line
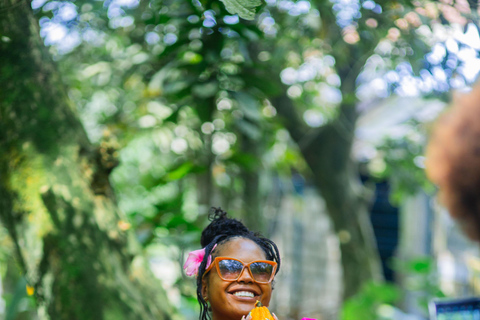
point(229, 269)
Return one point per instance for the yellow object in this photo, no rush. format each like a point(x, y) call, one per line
point(260, 312)
point(30, 290)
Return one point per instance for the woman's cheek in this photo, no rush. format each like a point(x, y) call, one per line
point(267, 294)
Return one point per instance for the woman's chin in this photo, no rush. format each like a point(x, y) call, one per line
point(242, 305)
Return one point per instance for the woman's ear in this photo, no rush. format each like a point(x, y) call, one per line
point(204, 289)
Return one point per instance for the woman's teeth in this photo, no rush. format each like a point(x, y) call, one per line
point(244, 294)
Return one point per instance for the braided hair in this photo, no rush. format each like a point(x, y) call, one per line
point(221, 230)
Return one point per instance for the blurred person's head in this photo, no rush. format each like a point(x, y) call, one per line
point(237, 268)
point(453, 160)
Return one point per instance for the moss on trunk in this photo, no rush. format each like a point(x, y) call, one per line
point(55, 198)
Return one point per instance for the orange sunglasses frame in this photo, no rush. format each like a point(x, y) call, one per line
point(245, 265)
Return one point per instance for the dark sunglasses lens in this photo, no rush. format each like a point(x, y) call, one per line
point(230, 269)
point(261, 271)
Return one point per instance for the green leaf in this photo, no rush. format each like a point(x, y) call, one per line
point(184, 169)
point(175, 86)
point(382, 292)
point(421, 265)
point(244, 8)
point(192, 57)
point(180, 172)
point(205, 90)
point(249, 129)
point(245, 160)
point(249, 105)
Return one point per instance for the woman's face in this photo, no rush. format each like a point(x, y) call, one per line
point(223, 296)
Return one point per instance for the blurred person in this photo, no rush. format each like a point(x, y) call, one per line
point(453, 160)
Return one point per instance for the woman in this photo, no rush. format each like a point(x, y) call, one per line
point(234, 269)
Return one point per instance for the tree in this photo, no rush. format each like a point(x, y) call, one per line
point(221, 82)
point(352, 33)
point(70, 239)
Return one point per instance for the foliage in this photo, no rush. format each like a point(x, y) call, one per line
point(401, 161)
point(244, 8)
point(371, 302)
point(420, 275)
point(185, 89)
point(378, 301)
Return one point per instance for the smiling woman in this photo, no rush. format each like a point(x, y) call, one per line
point(234, 270)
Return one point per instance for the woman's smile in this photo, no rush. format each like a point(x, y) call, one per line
point(243, 293)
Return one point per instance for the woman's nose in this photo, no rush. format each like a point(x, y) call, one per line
point(245, 276)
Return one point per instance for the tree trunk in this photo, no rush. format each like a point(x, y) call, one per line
point(327, 151)
point(252, 217)
point(55, 197)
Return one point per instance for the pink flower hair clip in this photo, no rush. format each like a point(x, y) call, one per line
point(194, 260)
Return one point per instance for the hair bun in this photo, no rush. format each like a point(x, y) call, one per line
point(221, 225)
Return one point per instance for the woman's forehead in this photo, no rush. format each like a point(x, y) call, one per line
point(241, 248)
